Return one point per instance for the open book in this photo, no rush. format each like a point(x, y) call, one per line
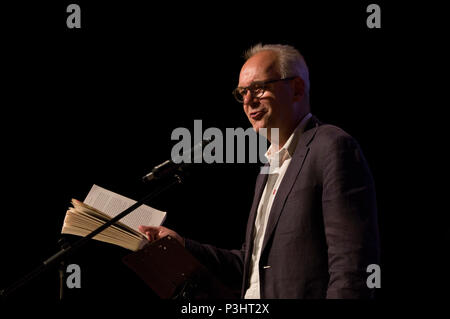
point(100, 206)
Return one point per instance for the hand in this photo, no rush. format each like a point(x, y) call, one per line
point(154, 233)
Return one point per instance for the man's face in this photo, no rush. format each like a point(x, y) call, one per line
point(275, 107)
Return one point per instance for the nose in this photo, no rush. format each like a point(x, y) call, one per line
point(247, 95)
point(250, 100)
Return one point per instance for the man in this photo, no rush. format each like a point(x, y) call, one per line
point(312, 229)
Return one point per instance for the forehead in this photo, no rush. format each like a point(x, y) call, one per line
point(260, 67)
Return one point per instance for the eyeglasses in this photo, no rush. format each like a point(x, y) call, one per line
point(256, 89)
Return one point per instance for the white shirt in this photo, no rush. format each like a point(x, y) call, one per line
point(284, 155)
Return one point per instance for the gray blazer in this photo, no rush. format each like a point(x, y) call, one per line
point(322, 231)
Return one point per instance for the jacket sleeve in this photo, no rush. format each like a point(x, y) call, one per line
point(227, 265)
point(350, 219)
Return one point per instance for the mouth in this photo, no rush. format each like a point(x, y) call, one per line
point(257, 115)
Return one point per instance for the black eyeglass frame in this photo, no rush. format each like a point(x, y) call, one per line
point(256, 85)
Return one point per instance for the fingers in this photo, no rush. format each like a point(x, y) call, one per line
point(155, 233)
point(150, 232)
point(144, 229)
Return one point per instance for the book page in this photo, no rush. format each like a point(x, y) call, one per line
point(112, 204)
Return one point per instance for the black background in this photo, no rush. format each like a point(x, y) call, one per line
point(98, 105)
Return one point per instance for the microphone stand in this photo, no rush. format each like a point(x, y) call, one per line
point(63, 243)
point(69, 249)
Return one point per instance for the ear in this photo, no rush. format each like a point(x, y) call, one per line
point(299, 88)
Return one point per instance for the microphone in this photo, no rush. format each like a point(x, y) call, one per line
point(170, 166)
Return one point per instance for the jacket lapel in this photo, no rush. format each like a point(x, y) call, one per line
point(259, 188)
point(290, 177)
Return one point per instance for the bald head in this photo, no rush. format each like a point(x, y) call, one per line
point(289, 62)
point(261, 66)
